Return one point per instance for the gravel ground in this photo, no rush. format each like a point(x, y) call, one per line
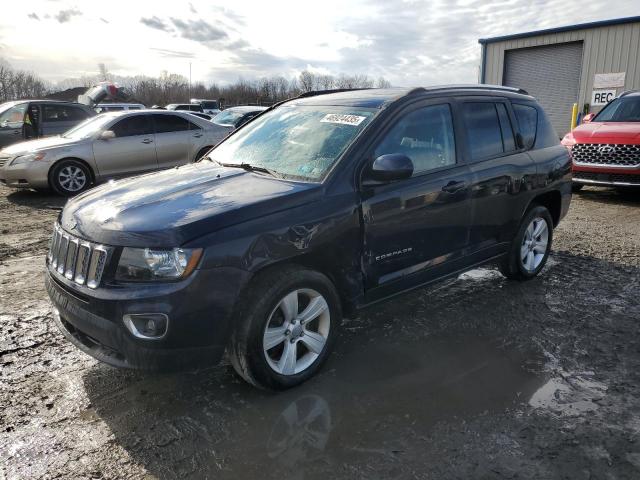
point(476, 378)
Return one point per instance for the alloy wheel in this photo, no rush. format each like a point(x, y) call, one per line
point(296, 332)
point(534, 244)
point(72, 178)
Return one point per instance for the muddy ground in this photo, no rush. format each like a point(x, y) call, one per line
point(478, 378)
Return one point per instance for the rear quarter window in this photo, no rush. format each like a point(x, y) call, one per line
point(534, 126)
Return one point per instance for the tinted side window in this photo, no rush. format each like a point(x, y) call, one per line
point(505, 124)
point(131, 126)
point(527, 118)
point(172, 123)
point(63, 113)
point(483, 130)
point(14, 116)
point(425, 136)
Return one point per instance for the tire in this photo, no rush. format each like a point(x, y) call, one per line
point(518, 263)
point(268, 304)
point(576, 187)
point(201, 153)
point(70, 177)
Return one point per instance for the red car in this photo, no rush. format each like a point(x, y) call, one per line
point(606, 147)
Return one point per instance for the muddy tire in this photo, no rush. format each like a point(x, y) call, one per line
point(70, 177)
point(286, 326)
point(530, 248)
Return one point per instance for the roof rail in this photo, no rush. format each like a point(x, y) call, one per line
point(470, 86)
point(313, 93)
point(627, 92)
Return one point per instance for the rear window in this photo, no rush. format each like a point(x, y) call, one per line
point(527, 118)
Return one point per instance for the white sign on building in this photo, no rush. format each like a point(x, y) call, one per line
point(602, 97)
point(608, 80)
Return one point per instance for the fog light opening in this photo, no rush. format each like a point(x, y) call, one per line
point(149, 326)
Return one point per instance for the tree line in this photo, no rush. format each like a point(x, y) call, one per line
point(174, 88)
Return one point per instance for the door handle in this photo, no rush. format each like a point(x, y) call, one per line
point(197, 135)
point(17, 132)
point(147, 140)
point(453, 187)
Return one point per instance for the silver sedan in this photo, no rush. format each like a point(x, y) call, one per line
point(111, 145)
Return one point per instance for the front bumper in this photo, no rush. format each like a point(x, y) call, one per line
point(26, 175)
point(199, 310)
point(606, 176)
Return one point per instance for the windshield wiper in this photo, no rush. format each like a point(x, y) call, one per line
point(253, 168)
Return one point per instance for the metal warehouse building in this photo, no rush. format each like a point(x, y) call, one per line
point(587, 64)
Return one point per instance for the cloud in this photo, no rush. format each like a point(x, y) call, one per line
point(192, 8)
point(172, 53)
point(103, 20)
point(34, 16)
point(198, 31)
point(64, 16)
point(156, 23)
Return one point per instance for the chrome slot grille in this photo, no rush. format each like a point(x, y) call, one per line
point(611, 154)
point(3, 160)
point(76, 259)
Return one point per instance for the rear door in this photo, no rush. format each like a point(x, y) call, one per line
point(415, 229)
point(132, 151)
point(177, 139)
point(502, 173)
point(58, 118)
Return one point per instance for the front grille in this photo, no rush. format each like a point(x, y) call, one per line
point(76, 259)
point(3, 160)
point(611, 154)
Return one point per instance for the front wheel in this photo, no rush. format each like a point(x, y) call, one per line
point(70, 177)
point(530, 248)
point(286, 328)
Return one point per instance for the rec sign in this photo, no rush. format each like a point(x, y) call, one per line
point(602, 97)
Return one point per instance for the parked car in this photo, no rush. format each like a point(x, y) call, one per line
point(212, 107)
point(204, 116)
point(606, 147)
point(189, 107)
point(116, 107)
point(233, 118)
point(321, 206)
point(111, 145)
point(26, 119)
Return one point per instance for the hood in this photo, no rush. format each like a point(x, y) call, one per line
point(607, 132)
point(172, 207)
point(40, 144)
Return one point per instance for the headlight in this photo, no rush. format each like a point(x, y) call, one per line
point(145, 264)
point(28, 158)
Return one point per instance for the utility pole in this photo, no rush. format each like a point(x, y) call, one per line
point(189, 99)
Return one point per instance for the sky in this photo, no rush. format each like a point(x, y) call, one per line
point(410, 43)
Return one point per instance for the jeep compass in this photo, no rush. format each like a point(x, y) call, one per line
point(318, 207)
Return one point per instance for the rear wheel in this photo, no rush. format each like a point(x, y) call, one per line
point(70, 177)
point(530, 248)
point(286, 328)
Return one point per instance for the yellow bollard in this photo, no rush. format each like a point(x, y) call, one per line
point(574, 116)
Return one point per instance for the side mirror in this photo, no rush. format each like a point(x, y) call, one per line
point(107, 135)
point(389, 168)
point(588, 117)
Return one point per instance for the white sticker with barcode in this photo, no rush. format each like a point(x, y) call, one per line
point(343, 119)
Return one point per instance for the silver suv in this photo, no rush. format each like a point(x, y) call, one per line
point(111, 145)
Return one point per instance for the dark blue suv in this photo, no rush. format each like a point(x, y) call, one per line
point(318, 207)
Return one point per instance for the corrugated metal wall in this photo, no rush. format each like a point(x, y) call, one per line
point(609, 49)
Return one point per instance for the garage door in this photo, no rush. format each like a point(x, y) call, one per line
point(551, 74)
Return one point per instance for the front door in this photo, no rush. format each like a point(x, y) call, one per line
point(12, 124)
point(419, 227)
point(58, 118)
point(132, 150)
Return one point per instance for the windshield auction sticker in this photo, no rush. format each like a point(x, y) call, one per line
point(343, 119)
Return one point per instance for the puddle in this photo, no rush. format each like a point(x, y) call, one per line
point(371, 399)
point(569, 395)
